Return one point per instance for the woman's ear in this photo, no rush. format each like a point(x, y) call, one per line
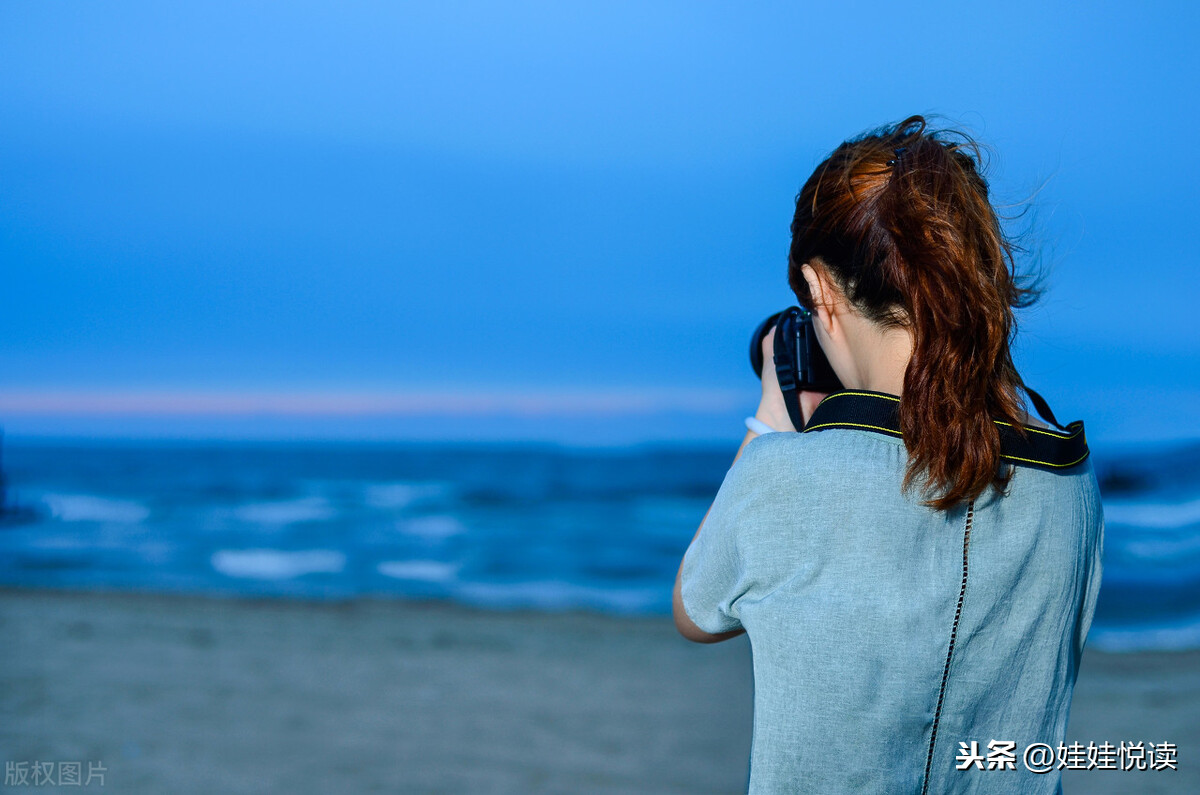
point(821, 290)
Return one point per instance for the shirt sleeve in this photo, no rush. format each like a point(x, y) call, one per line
point(713, 574)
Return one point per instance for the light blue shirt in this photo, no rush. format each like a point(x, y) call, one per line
point(850, 593)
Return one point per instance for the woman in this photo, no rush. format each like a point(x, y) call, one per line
point(917, 570)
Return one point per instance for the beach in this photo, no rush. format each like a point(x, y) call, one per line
point(190, 694)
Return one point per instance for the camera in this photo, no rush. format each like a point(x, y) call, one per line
point(799, 361)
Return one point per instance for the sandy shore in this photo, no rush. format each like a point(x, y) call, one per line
point(191, 695)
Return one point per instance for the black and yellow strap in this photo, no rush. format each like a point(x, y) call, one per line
point(876, 411)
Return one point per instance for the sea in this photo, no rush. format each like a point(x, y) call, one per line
point(542, 528)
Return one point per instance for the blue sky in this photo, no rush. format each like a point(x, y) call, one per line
point(546, 220)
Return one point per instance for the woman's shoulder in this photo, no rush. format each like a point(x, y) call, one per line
point(834, 455)
point(834, 443)
point(1073, 492)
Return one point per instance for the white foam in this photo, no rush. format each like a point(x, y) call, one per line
point(1164, 549)
point(89, 508)
point(1172, 637)
point(306, 509)
point(424, 570)
point(562, 595)
point(277, 564)
point(390, 496)
point(433, 527)
point(1151, 514)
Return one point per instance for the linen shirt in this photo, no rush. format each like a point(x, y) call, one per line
point(853, 595)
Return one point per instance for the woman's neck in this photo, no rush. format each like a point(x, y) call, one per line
point(882, 357)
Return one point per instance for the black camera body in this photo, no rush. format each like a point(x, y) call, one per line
point(800, 363)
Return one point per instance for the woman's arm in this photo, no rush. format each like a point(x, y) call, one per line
point(683, 622)
point(689, 630)
point(773, 411)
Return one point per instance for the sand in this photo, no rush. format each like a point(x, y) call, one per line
point(184, 694)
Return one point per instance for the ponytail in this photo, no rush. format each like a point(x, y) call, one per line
point(901, 220)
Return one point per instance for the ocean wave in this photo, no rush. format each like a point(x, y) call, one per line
point(670, 512)
point(305, 509)
point(393, 496)
point(1150, 514)
point(1177, 636)
point(423, 570)
point(432, 527)
point(564, 595)
point(277, 564)
point(89, 508)
point(1162, 548)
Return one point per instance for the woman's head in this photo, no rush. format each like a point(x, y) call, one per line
point(898, 222)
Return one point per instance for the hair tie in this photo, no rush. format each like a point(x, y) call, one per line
point(897, 152)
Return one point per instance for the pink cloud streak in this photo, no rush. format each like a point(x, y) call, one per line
point(211, 404)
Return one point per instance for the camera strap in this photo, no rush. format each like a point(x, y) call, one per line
point(1041, 448)
point(785, 372)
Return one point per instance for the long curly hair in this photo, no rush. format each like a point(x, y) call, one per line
point(901, 219)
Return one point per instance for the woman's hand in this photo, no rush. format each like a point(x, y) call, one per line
point(771, 409)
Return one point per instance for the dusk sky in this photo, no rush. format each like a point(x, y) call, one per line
point(552, 221)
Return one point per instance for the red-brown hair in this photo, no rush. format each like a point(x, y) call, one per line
point(901, 219)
